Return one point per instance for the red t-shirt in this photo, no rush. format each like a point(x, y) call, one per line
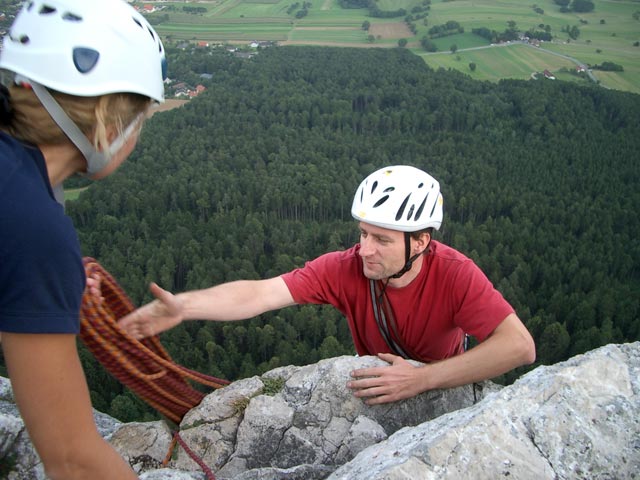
point(449, 297)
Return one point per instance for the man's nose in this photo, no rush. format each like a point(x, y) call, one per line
point(366, 247)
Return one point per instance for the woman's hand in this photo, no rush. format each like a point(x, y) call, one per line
point(93, 287)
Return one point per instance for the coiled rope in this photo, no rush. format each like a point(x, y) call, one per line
point(144, 366)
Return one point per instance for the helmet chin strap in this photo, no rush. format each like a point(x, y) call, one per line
point(408, 259)
point(96, 160)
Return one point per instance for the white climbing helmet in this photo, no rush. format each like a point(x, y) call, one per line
point(400, 198)
point(86, 48)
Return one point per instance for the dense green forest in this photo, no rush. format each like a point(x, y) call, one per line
point(256, 175)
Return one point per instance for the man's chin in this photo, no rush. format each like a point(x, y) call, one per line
point(372, 275)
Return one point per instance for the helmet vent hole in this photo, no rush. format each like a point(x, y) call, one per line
point(402, 207)
point(410, 212)
point(46, 10)
point(153, 37)
point(85, 59)
point(381, 201)
point(374, 186)
point(389, 189)
point(434, 206)
point(138, 22)
point(29, 5)
point(164, 68)
point(23, 39)
point(71, 17)
point(421, 185)
point(421, 208)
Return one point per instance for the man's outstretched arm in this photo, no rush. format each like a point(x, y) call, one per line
point(237, 300)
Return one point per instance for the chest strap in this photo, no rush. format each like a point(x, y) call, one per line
point(385, 320)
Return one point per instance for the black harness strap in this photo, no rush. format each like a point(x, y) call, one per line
point(384, 320)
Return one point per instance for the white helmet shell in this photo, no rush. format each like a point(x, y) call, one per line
point(400, 198)
point(86, 48)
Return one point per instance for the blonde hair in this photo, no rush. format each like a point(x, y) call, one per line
point(32, 123)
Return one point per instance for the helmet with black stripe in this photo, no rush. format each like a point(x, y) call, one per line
point(400, 198)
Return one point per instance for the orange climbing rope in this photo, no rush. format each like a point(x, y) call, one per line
point(142, 365)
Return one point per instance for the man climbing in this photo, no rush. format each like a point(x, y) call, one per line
point(405, 296)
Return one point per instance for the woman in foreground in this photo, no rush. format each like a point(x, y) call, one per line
point(81, 76)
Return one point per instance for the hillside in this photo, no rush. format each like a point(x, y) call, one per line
point(610, 32)
point(256, 175)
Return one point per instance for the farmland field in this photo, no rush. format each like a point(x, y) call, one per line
point(511, 61)
point(71, 194)
point(609, 33)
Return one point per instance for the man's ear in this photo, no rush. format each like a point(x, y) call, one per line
point(422, 242)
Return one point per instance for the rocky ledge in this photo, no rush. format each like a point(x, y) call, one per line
point(577, 419)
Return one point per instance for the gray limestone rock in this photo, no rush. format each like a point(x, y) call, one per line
point(576, 419)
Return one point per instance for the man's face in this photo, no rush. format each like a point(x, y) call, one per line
point(382, 251)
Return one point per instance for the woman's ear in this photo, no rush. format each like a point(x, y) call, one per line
point(112, 133)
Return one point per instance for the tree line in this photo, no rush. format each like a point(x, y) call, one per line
point(256, 175)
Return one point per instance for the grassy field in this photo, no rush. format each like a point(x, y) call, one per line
point(513, 61)
point(607, 34)
point(73, 193)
